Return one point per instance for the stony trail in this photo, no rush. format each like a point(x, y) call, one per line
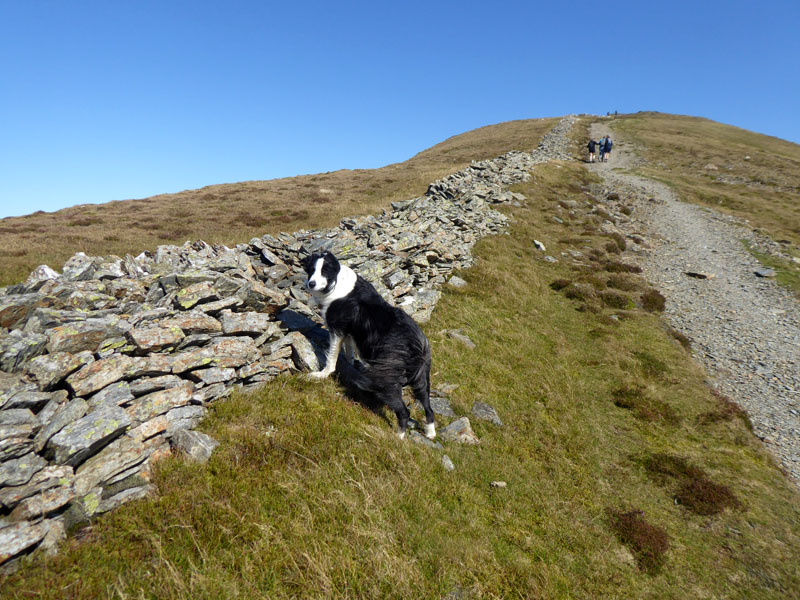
point(745, 329)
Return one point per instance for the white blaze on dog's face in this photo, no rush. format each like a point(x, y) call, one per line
point(322, 271)
point(316, 280)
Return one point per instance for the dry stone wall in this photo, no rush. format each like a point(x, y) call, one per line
point(107, 365)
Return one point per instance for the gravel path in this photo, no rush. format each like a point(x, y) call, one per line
point(744, 329)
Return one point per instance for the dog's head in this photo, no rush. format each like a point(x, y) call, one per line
point(322, 271)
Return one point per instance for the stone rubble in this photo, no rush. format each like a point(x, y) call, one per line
point(105, 366)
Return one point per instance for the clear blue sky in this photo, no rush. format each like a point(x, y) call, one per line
point(117, 99)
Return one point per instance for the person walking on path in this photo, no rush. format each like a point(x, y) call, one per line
point(607, 149)
point(592, 148)
point(601, 148)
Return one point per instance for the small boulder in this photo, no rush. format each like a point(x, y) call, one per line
point(196, 445)
point(459, 431)
point(484, 412)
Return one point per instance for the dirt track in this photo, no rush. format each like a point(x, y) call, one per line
point(744, 329)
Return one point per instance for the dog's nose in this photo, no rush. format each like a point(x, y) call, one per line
point(311, 284)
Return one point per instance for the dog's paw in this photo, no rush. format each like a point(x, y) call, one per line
point(430, 431)
point(317, 374)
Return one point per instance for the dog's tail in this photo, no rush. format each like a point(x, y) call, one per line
point(353, 377)
point(421, 377)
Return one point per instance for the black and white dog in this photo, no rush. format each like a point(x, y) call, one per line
point(384, 337)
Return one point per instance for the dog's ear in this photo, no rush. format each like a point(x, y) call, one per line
point(331, 260)
point(306, 262)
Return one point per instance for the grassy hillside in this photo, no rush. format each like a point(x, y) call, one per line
point(626, 477)
point(236, 212)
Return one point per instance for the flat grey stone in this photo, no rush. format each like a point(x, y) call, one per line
point(196, 445)
point(50, 369)
point(155, 338)
point(484, 412)
point(440, 406)
point(15, 417)
point(457, 282)
point(85, 335)
point(15, 447)
point(15, 309)
point(303, 353)
point(458, 335)
point(18, 347)
point(418, 438)
point(115, 394)
point(248, 323)
point(185, 417)
point(99, 374)
point(42, 503)
point(19, 537)
point(46, 478)
point(18, 471)
point(147, 385)
point(85, 437)
point(459, 431)
point(220, 352)
point(212, 375)
point(11, 385)
point(120, 455)
point(210, 393)
point(193, 322)
point(765, 272)
point(157, 403)
point(117, 500)
point(32, 400)
point(67, 413)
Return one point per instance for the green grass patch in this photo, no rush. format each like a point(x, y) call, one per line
point(787, 273)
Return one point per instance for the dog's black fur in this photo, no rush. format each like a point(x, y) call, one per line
point(392, 346)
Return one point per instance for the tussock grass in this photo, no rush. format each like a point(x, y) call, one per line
point(694, 490)
point(649, 543)
point(616, 266)
point(615, 299)
point(680, 337)
point(313, 496)
point(621, 281)
point(637, 399)
point(726, 410)
point(653, 300)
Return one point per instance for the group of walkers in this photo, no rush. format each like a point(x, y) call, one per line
point(600, 150)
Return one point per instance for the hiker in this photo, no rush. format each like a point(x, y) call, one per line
point(600, 148)
point(607, 149)
point(592, 148)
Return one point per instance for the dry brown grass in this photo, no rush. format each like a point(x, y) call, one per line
point(235, 212)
